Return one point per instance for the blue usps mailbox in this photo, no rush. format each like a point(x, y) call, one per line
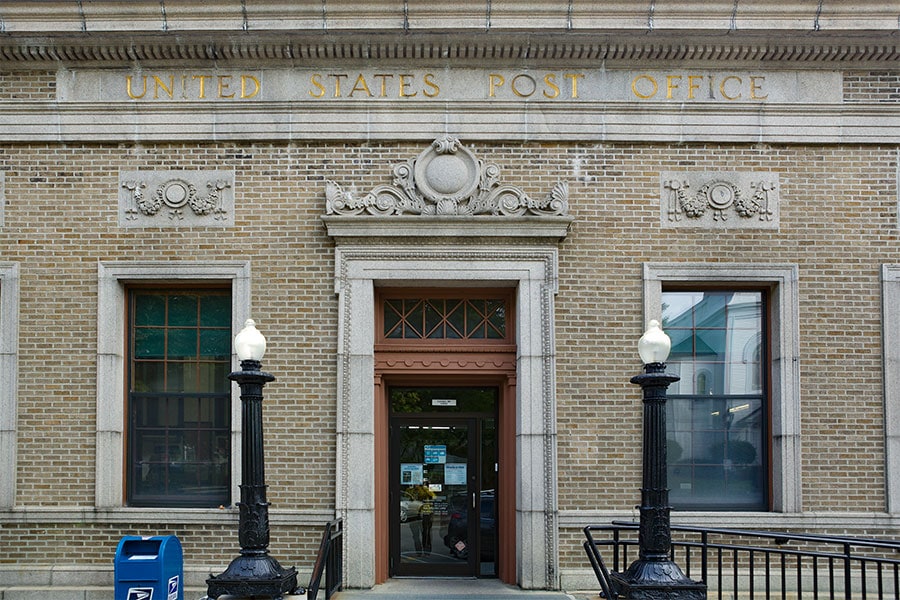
point(149, 568)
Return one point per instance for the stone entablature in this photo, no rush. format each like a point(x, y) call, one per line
point(559, 83)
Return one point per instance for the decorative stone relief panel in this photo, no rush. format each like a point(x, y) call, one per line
point(446, 179)
point(719, 199)
point(176, 198)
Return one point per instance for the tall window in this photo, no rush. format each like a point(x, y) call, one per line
point(179, 397)
point(717, 414)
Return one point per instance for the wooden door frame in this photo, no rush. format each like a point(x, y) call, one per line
point(409, 368)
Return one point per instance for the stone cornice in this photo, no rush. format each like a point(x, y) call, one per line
point(607, 47)
point(180, 16)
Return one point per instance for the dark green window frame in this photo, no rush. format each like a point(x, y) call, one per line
point(179, 397)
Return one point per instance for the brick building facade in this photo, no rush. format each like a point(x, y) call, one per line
point(588, 169)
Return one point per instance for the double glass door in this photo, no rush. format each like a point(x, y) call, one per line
point(443, 489)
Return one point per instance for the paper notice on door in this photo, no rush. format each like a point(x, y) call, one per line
point(455, 474)
point(411, 474)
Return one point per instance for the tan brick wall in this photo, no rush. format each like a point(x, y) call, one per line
point(28, 85)
point(838, 223)
point(44, 544)
point(872, 86)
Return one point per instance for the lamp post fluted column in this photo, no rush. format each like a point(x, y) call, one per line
point(253, 574)
point(654, 575)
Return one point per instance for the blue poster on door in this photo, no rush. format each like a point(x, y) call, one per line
point(435, 454)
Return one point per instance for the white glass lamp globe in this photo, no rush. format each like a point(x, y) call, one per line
point(249, 343)
point(654, 345)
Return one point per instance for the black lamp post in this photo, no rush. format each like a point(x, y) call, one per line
point(654, 576)
point(253, 574)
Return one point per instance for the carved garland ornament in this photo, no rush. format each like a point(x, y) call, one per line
point(446, 179)
point(719, 196)
point(175, 194)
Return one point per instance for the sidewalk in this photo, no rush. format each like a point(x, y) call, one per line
point(452, 589)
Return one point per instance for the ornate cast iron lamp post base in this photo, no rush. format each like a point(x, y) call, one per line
point(253, 574)
point(654, 576)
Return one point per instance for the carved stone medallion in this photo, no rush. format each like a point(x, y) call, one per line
point(446, 179)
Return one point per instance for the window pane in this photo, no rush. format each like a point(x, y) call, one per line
point(392, 318)
point(149, 309)
point(716, 415)
point(215, 311)
point(179, 450)
point(496, 315)
point(710, 310)
point(149, 376)
point(182, 343)
point(213, 377)
point(215, 343)
point(456, 319)
point(433, 320)
point(415, 317)
point(182, 311)
point(149, 343)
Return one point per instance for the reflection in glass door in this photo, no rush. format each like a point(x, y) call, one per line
point(444, 471)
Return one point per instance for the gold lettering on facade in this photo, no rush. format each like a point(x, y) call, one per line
point(693, 85)
point(404, 86)
point(191, 86)
point(360, 86)
point(495, 80)
point(316, 80)
point(434, 88)
point(386, 85)
point(225, 85)
point(644, 93)
point(552, 90)
point(525, 85)
point(737, 95)
point(201, 81)
point(530, 85)
point(557, 86)
point(756, 82)
point(245, 94)
point(384, 79)
point(671, 84)
point(574, 77)
point(337, 83)
point(728, 87)
point(130, 91)
point(159, 83)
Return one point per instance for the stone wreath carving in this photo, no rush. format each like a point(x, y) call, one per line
point(176, 194)
point(720, 197)
point(446, 179)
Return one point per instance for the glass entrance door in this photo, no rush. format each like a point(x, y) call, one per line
point(443, 470)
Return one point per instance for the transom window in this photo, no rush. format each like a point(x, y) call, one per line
point(717, 414)
point(179, 396)
point(444, 315)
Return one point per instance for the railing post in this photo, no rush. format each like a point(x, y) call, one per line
point(848, 579)
point(704, 558)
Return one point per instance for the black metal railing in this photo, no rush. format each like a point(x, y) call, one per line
point(760, 564)
point(330, 559)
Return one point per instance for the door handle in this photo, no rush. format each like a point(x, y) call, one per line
point(473, 500)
